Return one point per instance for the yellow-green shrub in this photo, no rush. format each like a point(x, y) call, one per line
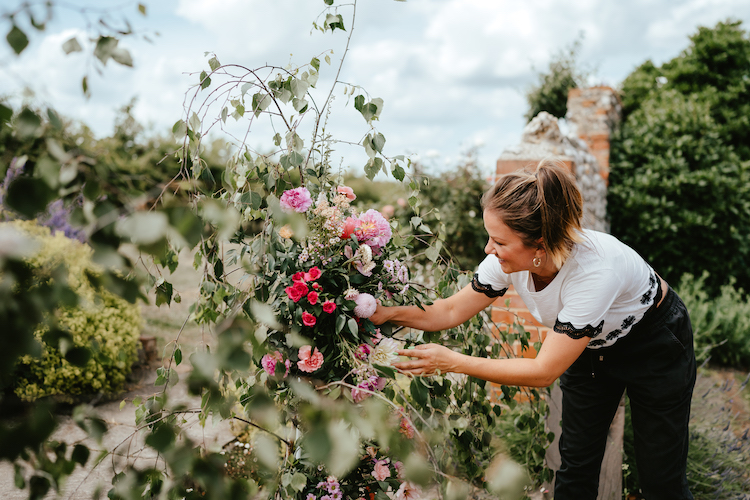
point(103, 322)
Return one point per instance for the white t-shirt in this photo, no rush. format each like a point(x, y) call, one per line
point(601, 291)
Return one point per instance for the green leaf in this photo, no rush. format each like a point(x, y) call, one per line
point(359, 101)
point(28, 196)
point(85, 86)
point(72, 45)
point(328, 2)
point(28, 125)
point(17, 39)
point(178, 356)
point(205, 80)
point(179, 128)
point(122, 56)
point(142, 9)
point(261, 102)
point(315, 62)
point(214, 64)
point(78, 356)
point(432, 253)
point(54, 119)
point(340, 322)
point(419, 391)
point(164, 293)
point(80, 454)
point(378, 141)
point(352, 323)
point(105, 45)
point(334, 21)
point(6, 114)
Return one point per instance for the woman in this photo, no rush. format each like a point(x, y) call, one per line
point(616, 326)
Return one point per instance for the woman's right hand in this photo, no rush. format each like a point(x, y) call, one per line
point(381, 315)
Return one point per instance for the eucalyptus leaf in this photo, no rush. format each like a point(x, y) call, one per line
point(17, 39)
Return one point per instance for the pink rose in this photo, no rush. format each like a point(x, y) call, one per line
point(268, 362)
point(347, 191)
point(295, 200)
point(296, 291)
point(312, 298)
point(308, 319)
point(298, 277)
point(309, 360)
point(350, 225)
point(329, 306)
point(313, 274)
point(381, 471)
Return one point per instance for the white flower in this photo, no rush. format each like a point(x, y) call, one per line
point(385, 353)
point(351, 294)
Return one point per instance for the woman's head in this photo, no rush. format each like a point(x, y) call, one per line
point(544, 207)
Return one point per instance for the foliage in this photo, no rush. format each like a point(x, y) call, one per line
point(102, 321)
point(311, 434)
point(550, 94)
point(105, 33)
point(680, 169)
point(721, 324)
point(451, 213)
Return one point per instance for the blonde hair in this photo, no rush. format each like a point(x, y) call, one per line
point(544, 203)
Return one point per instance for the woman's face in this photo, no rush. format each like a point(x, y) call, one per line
point(507, 246)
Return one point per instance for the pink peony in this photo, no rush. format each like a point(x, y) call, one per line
point(313, 274)
point(296, 200)
point(312, 298)
point(381, 471)
point(347, 191)
point(329, 306)
point(308, 319)
point(373, 229)
point(366, 305)
point(309, 360)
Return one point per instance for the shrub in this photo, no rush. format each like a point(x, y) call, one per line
point(721, 325)
point(680, 165)
point(106, 324)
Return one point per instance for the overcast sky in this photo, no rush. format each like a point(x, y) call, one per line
point(452, 73)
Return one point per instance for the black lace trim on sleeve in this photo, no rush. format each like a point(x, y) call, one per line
point(477, 286)
point(577, 333)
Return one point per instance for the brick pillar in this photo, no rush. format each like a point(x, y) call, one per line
point(593, 113)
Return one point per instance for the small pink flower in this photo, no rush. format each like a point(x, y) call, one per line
point(295, 200)
point(313, 274)
point(308, 319)
point(347, 191)
point(312, 298)
point(366, 305)
point(329, 306)
point(381, 471)
point(316, 286)
point(362, 352)
point(309, 360)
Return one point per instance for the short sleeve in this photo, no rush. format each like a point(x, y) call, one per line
point(585, 303)
point(490, 279)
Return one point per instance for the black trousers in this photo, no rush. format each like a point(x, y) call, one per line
point(655, 364)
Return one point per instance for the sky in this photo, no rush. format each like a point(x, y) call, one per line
point(452, 73)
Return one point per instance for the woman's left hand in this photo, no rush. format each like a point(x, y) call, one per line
point(430, 358)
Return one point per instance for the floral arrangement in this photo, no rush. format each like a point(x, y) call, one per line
point(324, 288)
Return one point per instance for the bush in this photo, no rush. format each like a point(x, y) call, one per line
point(721, 325)
point(680, 167)
point(106, 324)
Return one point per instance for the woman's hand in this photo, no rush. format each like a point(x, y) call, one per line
point(380, 315)
point(430, 358)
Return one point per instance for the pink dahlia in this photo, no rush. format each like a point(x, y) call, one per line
point(296, 200)
point(329, 306)
point(366, 305)
point(373, 229)
point(309, 360)
point(309, 319)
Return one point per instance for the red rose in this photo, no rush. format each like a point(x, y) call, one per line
point(308, 319)
point(329, 306)
point(312, 298)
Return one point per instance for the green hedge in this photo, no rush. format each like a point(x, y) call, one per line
point(106, 324)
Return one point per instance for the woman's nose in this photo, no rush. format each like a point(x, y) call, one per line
point(488, 248)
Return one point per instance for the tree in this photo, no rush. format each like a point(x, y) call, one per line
point(680, 170)
point(550, 94)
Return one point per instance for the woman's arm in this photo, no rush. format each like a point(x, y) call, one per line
point(558, 352)
point(441, 315)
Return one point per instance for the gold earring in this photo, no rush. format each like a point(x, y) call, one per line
point(537, 261)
